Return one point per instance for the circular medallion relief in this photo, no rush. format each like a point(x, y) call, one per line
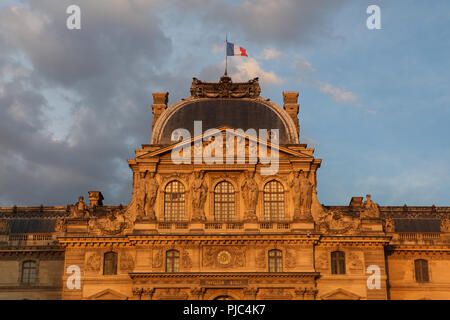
point(224, 257)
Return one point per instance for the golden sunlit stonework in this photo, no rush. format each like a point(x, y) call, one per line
point(200, 229)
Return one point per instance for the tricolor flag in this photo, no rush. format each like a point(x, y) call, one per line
point(234, 50)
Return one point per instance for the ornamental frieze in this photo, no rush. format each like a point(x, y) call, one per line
point(225, 88)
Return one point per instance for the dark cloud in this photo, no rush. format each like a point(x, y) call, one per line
point(110, 67)
point(286, 22)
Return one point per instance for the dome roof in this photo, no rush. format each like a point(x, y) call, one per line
point(235, 105)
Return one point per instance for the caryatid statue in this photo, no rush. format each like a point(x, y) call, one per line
point(302, 190)
point(369, 209)
point(199, 194)
point(250, 191)
point(146, 193)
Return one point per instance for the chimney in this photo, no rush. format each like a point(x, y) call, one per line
point(291, 106)
point(159, 105)
point(95, 198)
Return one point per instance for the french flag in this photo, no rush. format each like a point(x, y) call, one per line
point(234, 50)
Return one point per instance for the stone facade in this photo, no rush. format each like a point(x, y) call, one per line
point(207, 230)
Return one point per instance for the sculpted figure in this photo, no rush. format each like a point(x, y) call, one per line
point(61, 225)
point(445, 224)
point(250, 194)
point(79, 210)
point(302, 190)
point(199, 194)
point(369, 209)
point(146, 193)
point(139, 190)
point(389, 225)
point(151, 192)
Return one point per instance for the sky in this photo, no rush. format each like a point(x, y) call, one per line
point(75, 104)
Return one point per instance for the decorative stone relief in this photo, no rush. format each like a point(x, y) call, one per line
point(223, 257)
point(126, 262)
point(158, 259)
point(355, 263)
point(225, 88)
point(93, 262)
point(335, 222)
point(186, 260)
point(322, 261)
point(113, 223)
point(290, 259)
point(261, 259)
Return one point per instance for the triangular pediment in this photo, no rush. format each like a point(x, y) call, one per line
point(108, 294)
point(225, 130)
point(340, 294)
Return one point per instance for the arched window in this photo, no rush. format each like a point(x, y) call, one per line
point(174, 201)
point(29, 272)
point(172, 261)
point(224, 202)
point(421, 270)
point(275, 261)
point(337, 262)
point(273, 201)
point(110, 263)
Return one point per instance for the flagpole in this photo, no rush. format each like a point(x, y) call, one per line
point(226, 55)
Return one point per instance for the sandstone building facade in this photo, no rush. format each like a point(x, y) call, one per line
point(199, 228)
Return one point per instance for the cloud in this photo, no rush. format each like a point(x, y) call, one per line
point(249, 68)
point(269, 54)
point(337, 94)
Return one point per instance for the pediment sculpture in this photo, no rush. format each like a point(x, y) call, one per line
point(113, 223)
point(79, 210)
point(369, 209)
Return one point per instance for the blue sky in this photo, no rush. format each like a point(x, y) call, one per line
point(374, 103)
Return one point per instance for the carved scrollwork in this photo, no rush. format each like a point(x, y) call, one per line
point(223, 257)
point(225, 88)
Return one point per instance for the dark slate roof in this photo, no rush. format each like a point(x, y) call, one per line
point(32, 225)
point(236, 114)
point(417, 225)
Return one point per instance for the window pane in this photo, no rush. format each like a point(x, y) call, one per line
point(172, 261)
point(224, 199)
point(29, 270)
point(273, 201)
point(275, 261)
point(110, 263)
point(174, 201)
